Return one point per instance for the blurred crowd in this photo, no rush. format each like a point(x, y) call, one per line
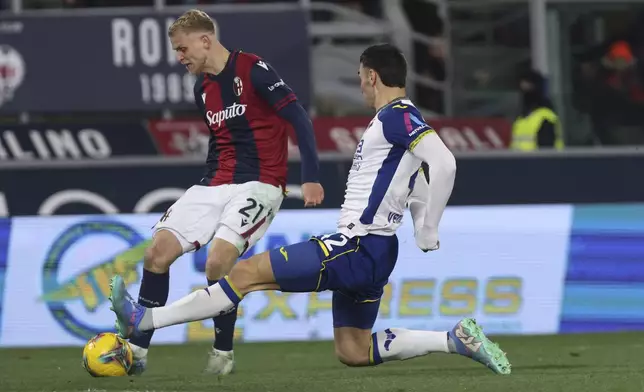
point(429, 58)
point(609, 86)
point(608, 82)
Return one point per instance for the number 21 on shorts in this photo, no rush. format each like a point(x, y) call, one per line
point(249, 210)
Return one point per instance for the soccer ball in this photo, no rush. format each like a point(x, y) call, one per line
point(107, 355)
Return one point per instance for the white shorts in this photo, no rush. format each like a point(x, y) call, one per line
point(237, 213)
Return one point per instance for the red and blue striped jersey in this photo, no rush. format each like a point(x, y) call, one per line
point(248, 139)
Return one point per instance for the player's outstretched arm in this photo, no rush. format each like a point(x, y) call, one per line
point(442, 172)
point(295, 114)
point(282, 99)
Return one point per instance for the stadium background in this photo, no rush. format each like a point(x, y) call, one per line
point(98, 135)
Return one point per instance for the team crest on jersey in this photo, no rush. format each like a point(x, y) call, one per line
point(238, 87)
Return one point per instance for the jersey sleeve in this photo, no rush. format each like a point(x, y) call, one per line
point(270, 86)
point(404, 126)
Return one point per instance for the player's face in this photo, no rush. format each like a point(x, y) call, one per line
point(367, 83)
point(192, 50)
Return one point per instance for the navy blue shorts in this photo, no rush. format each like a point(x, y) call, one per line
point(355, 269)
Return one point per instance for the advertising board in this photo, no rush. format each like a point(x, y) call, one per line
point(502, 265)
point(339, 134)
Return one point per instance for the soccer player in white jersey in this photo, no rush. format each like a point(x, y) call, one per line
point(356, 262)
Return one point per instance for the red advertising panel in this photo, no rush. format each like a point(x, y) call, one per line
point(339, 134)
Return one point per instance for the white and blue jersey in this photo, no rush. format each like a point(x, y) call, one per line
point(356, 262)
point(383, 171)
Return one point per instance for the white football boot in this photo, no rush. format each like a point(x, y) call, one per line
point(220, 362)
point(139, 360)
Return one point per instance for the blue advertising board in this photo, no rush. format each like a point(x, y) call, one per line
point(528, 269)
point(604, 287)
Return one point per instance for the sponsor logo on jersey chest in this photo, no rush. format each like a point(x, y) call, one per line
point(232, 111)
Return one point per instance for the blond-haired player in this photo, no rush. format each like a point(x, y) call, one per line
point(248, 108)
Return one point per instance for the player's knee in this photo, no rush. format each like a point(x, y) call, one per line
point(162, 253)
point(352, 356)
point(217, 267)
point(244, 275)
point(220, 261)
point(253, 274)
point(155, 260)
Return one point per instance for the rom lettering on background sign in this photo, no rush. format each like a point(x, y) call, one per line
point(145, 45)
point(133, 66)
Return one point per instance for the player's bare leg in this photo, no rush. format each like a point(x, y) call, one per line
point(352, 345)
point(163, 251)
point(221, 259)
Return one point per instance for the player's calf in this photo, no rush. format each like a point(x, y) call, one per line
point(253, 274)
point(353, 355)
point(352, 340)
point(221, 259)
point(155, 285)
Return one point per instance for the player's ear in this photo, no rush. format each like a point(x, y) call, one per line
point(373, 76)
point(205, 39)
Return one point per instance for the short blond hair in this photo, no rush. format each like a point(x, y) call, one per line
point(192, 21)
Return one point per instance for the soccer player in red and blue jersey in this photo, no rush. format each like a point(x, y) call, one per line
point(248, 109)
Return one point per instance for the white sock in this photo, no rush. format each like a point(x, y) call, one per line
point(198, 305)
point(401, 344)
point(138, 352)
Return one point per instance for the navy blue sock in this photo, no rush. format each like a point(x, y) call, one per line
point(224, 327)
point(153, 293)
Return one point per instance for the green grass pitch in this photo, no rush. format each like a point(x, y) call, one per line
point(566, 363)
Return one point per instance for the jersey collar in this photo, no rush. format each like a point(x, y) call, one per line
point(231, 57)
point(391, 103)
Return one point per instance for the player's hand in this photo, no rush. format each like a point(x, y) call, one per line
point(427, 239)
point(313, 194)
